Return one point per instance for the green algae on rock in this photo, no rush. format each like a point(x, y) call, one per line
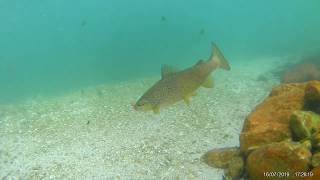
point(315, 160)
point(307, 144)
point(316, 141)
point(303, 124)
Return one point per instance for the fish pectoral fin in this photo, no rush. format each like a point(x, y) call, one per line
point(208, 83)
point(167, 70)
point(156, 109)
point(186, 99)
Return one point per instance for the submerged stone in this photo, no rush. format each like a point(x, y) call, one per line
point(312, 96)
point(228, 159)
point(268, 122)
point(278, 157)
point(220, 158)
point(235, 168)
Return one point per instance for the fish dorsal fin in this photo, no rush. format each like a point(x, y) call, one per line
point(208, 83)
point(167, 70)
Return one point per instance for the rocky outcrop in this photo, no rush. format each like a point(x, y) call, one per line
point(269, 121)
point(282, 134)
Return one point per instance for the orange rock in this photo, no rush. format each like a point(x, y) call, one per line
point(220, 158)
point(285, 157)
point(228, 159)
point(269, 122)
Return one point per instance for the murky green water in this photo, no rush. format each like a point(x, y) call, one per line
point(53, 46)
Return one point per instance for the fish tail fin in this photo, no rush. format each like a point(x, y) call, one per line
point(218, 59)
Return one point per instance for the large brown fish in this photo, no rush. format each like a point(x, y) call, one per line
point(181, 85)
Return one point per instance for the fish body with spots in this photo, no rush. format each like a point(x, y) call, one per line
point(176, 85)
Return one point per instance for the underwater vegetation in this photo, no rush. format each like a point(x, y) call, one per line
point(305, 70)
point(282, 134)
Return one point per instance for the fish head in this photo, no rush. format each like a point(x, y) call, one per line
point(142, 105)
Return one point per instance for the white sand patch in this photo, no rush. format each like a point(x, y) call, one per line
point(95, 134)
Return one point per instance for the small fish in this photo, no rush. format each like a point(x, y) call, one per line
point(177, 85)
point(163, 18)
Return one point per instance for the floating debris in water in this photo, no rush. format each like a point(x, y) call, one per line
point(262, 78)
point(99, 93)
point(83, 23)
point(82, 92)
point(202, 31)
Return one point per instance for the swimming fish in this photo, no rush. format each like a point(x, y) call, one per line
point(177, 85)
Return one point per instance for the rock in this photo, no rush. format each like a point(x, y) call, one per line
point(301, 73)
point(220, 158)
point(312, 96)
point(303, 124)
point(269, 121)
point(312, 91)
point(278, 157)
point(235, 168)
point(316, 160)
point(290, 112)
